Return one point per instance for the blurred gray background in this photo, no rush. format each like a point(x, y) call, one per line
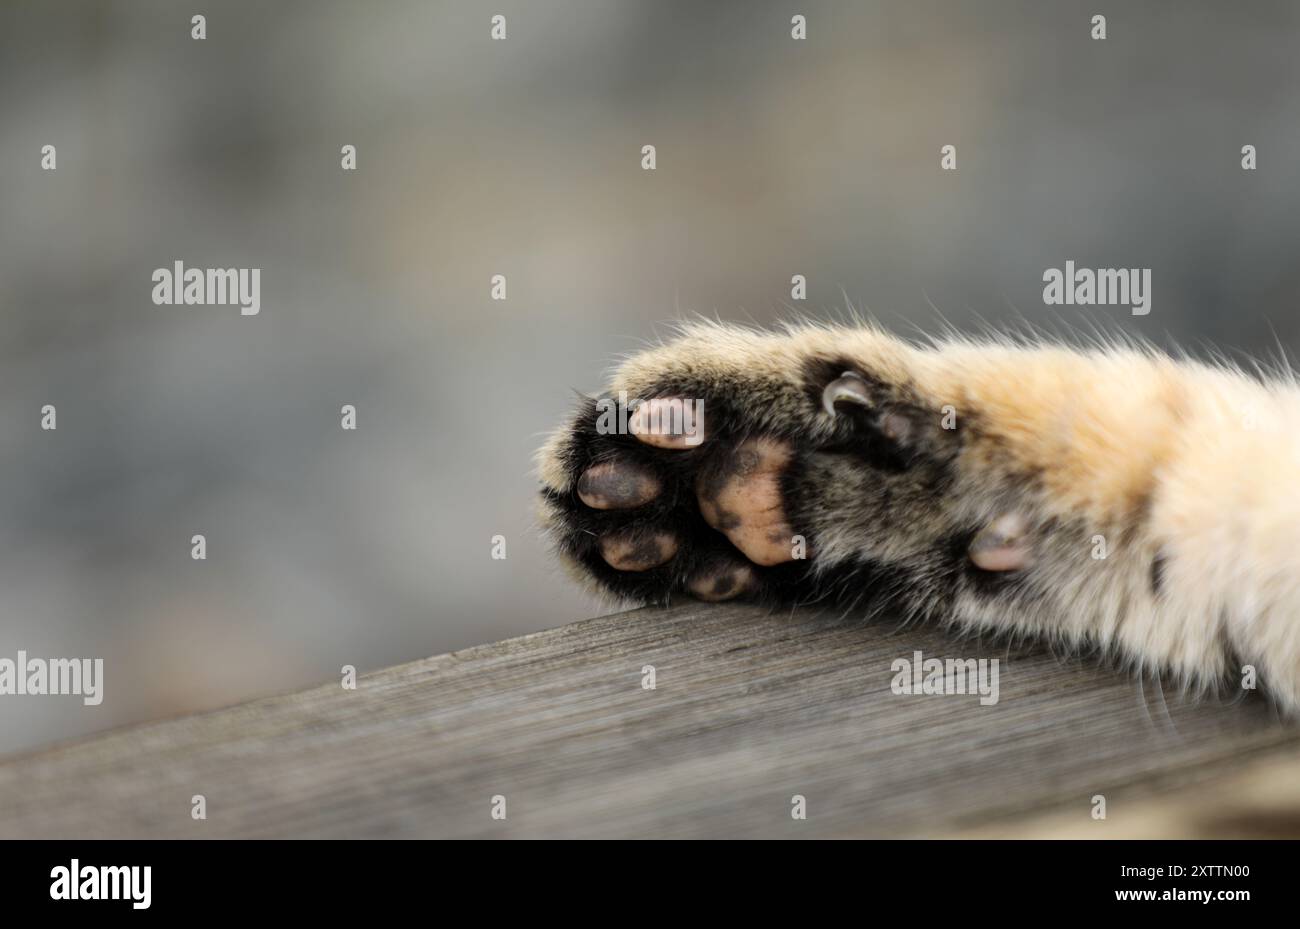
point(522, 157)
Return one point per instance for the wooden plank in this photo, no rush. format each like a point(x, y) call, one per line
point(1258, 800)
point(749, 709)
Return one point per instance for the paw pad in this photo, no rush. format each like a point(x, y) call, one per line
point(613, 485)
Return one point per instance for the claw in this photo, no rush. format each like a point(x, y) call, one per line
point(1002, 545)
point(847, 388)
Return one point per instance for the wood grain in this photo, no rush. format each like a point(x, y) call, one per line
point(749, 709)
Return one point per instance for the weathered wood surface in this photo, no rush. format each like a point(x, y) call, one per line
point(749, 709)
